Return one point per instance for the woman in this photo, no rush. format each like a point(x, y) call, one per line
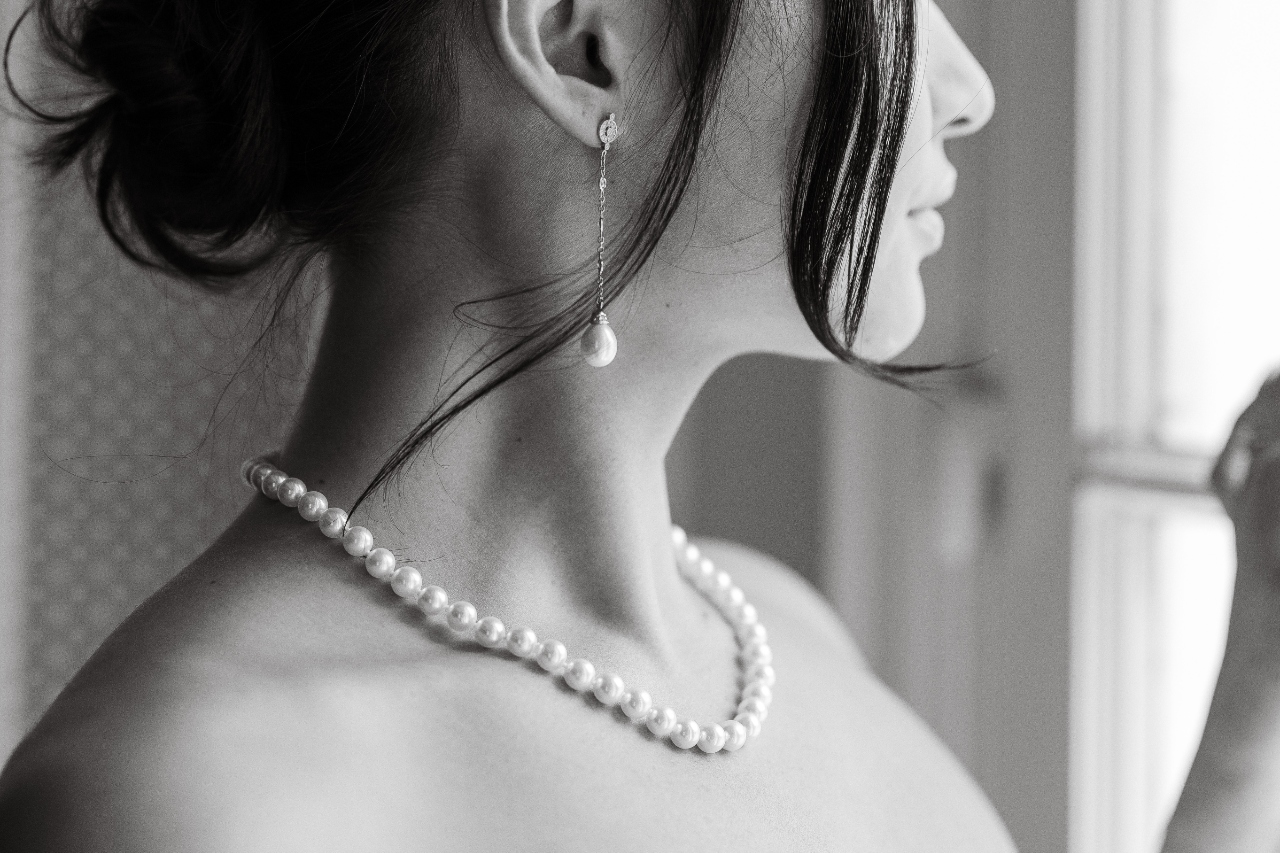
point(274, 696)
point(445, 159)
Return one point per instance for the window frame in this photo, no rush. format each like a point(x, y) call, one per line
point(1124, 478)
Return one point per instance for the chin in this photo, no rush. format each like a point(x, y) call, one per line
point(894, 314)
point(891, 321)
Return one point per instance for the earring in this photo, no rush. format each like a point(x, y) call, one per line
point(599, 343)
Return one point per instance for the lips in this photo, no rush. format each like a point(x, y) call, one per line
point(930, 226)
point(924, 216)
point(932, 201)
point(937, 193)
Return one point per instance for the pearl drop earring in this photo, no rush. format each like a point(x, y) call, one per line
point(599, 343)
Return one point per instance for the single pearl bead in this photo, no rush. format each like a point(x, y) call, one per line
point(682, 554)
point(291, 491)
point(685, 734)
point(522, 643)
point(246, 470)
point(407, 583)
point(750, 722)
point(754, 706)
point(762, 673)
point(462, 616)
point(757, 653)
point(744, 616)
point(551, 655)
point(661, 721)
point(690, 555)
point(333, 522)
point(312, 506)
point(721, 583)
point(712, 739)
point(491, 633)
point(260, 473)
point(380, 564)
point(358, 541)
point(754, 633)
point(608, 689)
point(735, 735)
point(703, 573)
point(599, 343)
point(579, 674)
point(758, 690)
point(434, 601)
point(733, 598)
point(678, 537)
point(636, 705)
point(272, 482)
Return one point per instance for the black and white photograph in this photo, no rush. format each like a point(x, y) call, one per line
point(640, 425)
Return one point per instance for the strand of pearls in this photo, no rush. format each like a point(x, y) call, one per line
point(755, 659)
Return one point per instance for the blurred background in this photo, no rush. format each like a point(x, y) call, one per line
point(1027, 553)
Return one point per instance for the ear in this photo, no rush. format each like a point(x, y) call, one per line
point(565, 54)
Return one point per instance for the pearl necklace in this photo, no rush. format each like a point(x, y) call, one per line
point(754, 656)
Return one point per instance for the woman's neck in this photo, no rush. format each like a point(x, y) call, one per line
point(546, 501)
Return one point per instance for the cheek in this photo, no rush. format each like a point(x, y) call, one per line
point(744, 172)
point(745, 166)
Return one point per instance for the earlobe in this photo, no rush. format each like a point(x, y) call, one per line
point(564, 55)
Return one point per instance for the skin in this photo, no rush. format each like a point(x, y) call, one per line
point(273, 698)
point(1228, 802)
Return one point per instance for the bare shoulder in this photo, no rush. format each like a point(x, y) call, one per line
point(189, 710)
point(891, 775)
point(206, 754)
point(84, 777)
point(227, 765)
point(92, 777)
point(782, 594)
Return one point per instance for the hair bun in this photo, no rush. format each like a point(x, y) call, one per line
point(297, 124)
point(189, 148)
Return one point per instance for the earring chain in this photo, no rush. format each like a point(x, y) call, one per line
point(604, 160)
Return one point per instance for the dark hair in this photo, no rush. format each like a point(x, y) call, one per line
point(230, 132)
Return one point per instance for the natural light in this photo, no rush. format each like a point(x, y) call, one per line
point(1219, 306)
point(1221, 185)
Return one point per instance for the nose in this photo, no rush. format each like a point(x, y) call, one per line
point(963, 100)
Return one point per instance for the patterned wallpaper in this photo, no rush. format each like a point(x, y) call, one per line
point(140, 413)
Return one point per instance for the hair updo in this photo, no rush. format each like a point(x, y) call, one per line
point(226, 133)
point(289, 121)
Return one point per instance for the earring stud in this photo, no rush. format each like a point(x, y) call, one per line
point(599, 343)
